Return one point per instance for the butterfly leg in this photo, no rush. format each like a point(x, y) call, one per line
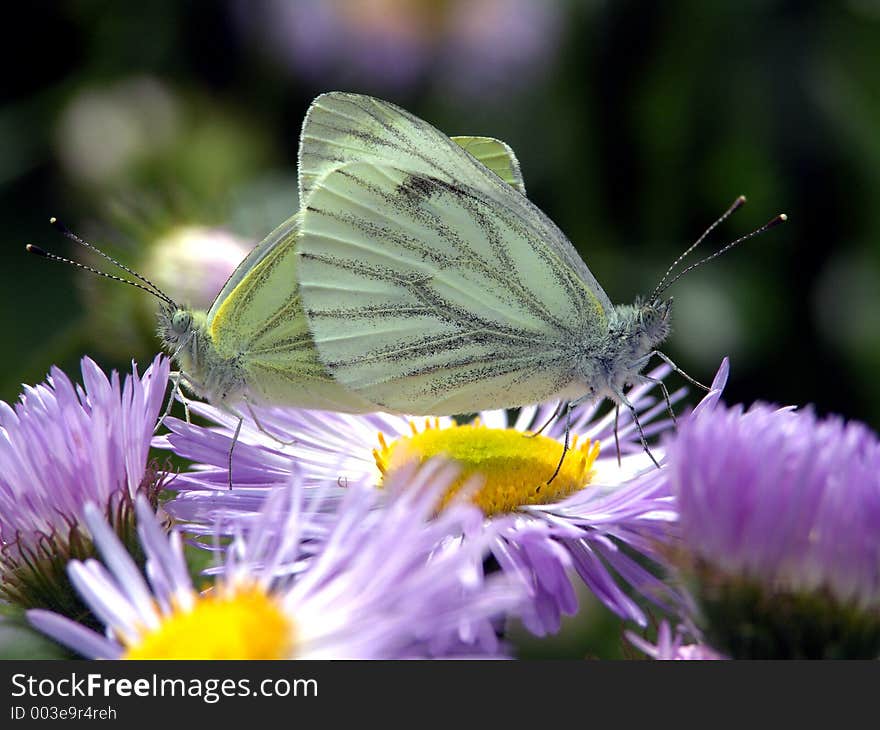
point(184, 378)
point(263, 429)
point(553, 417)
point(568, 409)
point(665, 358)
point(193, 386)
point(662, 385)
point(176, 378)
point(623, 400)
point(235, 436)
point(616, 437)
point(232, 446)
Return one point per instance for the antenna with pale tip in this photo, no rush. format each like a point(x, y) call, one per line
point(736, 205)
point(150, 287)
point(67, 233)
point(772, 223)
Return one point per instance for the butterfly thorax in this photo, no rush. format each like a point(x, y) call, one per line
point(207, 373)
point(634, 331)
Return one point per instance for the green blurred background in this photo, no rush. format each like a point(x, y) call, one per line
point(166, 132)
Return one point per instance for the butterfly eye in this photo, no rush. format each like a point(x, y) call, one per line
point(181, 322)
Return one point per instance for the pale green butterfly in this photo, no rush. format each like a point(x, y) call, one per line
point(431, 286)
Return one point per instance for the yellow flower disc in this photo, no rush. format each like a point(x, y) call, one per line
point(245, 624)
point(515, 467)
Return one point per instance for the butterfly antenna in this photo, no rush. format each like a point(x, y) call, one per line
point(67, 233)
point(772, 223)
point(36, 250)
point(736, 205)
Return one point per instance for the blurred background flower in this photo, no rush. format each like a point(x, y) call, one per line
point(636, 124)
point(673, 645)
point(475, 48)
point(104, 131)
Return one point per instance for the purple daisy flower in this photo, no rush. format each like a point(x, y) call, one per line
point(63, 445)
point(779, 516)
point(587, 521)
point(673, 646)
point(386, 584)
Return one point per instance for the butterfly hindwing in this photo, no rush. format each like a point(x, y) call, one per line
point(497, 156)
point(260, 321)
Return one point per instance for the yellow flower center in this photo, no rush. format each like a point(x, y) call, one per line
point(515, 467)
point(245, 624)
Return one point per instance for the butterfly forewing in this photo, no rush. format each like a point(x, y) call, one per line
point(280, 237)
point(430, 297)
point(340, 128)
point(417, 278)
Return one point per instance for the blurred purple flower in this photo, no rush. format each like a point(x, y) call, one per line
point(194, 262)
point(108, 129)
point(386, 584)
point(671, 646)
point(476, 46)
point(783, 497)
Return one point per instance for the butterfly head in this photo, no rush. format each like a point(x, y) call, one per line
point(182, 332)
point(177, 326)
point(653, 317)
